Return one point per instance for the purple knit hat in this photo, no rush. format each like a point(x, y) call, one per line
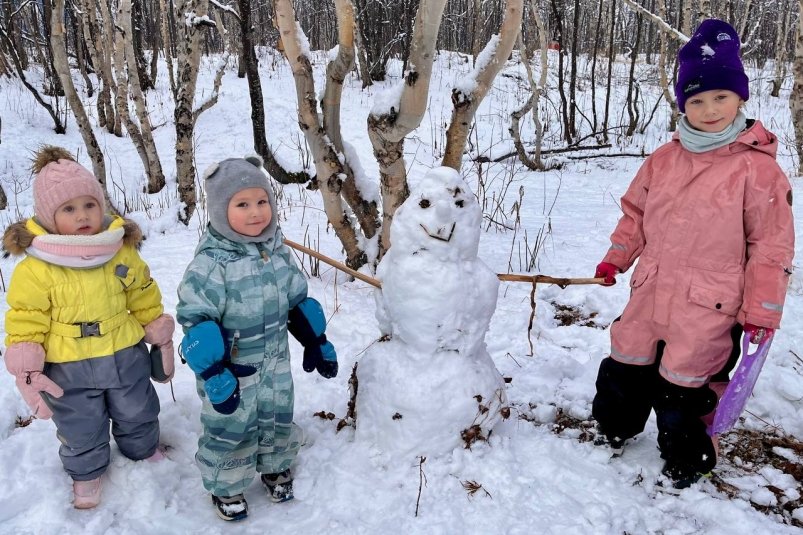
point(710, 60)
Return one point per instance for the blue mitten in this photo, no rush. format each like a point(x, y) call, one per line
point(204, 351)
point(307, 323)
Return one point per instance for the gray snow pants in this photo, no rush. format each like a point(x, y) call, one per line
point(96, 390)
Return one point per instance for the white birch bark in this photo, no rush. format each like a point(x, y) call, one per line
point(109, 52)
point(62, 66)
point(328, 166)
point(366, 211)
point(466, 103)
point(796, 98)
point(192, 17)
point(388, 130)
point(167, 46)
point(153, 167)
point(535, 163)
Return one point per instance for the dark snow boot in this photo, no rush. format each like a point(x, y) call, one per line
point(615, 445)
point(230, 507)
point(681, 476)
point(279, 486)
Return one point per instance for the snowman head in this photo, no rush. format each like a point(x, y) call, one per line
point(440, 218)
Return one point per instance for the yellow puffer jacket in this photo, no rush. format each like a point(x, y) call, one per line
point(48, 302)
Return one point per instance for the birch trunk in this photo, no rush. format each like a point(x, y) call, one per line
point(388, 130)
point(121, 96)
point(466, 103)
point(62, 66)
point(167, 46)
point(796, 98)
point(93, 40)
point(329, 168)
point(535, 163)
point(191, 15)
point(663, 78)
point(153, 167)
point(109, 51)
point(336, 71)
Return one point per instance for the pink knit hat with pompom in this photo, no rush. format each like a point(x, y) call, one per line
point(59, 179)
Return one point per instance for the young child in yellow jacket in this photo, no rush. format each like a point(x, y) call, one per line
point(82, 305)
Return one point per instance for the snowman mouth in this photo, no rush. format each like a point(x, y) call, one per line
point(439, 234)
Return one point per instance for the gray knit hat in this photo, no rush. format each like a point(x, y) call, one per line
point(222, 180)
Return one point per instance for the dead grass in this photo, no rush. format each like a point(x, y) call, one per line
point(570, 315)
point(742, 453)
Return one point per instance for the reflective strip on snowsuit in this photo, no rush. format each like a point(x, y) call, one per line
point(248, 289)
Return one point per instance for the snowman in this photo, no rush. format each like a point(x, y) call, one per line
point(431, 385)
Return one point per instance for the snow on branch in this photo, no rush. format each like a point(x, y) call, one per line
point(465, 87)
point(661, 23)
point(225, 7)
point(193, 20)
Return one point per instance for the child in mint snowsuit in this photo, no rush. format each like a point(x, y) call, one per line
point(238, 298)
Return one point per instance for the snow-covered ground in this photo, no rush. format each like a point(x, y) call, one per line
point(532, 480)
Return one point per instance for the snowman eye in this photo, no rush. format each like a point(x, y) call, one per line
point(424, 203)
point(459, 204)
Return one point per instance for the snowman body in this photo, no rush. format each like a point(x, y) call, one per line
point(432, 385)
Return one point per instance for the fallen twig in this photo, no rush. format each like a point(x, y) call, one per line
point(422, 480)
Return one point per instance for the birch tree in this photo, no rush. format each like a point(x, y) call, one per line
point(334, 176)
point(62, 67)
point(535, 163)
point(144, 138)
point(389, 126)
point(467, 97)
point(101, 61)
point(796, 98)
point(193, 15)
point(666, 32)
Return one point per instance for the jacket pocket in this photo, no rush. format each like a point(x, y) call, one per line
point(645, 270)
point(717, 291)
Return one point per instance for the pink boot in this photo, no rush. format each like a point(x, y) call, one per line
point(158, 455)
point(86, 494)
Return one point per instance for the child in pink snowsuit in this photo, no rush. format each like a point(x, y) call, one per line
point(709, 216)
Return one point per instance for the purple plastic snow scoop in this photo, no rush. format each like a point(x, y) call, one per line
point(740, 386)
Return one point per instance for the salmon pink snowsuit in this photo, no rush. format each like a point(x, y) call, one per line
point(714, 235)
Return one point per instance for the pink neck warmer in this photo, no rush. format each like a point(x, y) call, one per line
point(77, 251)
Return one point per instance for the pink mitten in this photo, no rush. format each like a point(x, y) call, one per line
point(25, 361)
point(159, 332)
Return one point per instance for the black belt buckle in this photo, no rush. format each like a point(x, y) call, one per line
point(90, 329)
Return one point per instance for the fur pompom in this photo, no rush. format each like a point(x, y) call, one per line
point(17, 238)
point(133, 235)
point(49, 154)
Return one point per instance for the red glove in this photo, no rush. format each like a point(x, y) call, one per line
point(756, 334)
point(607, 271)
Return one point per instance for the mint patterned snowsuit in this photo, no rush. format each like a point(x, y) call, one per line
point(247, 288)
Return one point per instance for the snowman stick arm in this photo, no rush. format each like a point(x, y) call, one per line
point(334, 263)
point(546, 279)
